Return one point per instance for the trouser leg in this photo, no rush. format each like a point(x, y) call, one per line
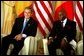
point(5, 45)
point(17, 46)
point(52, 49)
point(69, 50)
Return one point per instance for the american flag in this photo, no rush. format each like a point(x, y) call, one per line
point(79, 14)
point(43, 13)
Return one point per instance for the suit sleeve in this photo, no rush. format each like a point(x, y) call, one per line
point(72, 32)
point(14, 28)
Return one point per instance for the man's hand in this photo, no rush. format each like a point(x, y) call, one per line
point(50, 40)
point(18, 37)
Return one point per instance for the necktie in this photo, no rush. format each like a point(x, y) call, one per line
point(62, 23)
point(24, 24)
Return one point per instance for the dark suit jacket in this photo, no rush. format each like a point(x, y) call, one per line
point(30, 29)
point(69, 30)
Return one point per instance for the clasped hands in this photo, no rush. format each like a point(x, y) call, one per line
point(51, 39)
point(18, 37)
point(63, 43)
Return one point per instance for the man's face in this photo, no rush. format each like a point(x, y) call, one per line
point(62, 15)
point(27, 13)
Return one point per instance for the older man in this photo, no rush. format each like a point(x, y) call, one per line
point(23, 27)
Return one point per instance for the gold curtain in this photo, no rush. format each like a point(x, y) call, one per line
point(8, 16)
point(20, 5)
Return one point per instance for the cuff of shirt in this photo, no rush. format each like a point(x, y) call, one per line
point(50, 37)
point(24, 35)
point(65, 39)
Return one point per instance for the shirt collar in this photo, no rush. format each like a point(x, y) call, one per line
point(27, 19)
point(64, 20)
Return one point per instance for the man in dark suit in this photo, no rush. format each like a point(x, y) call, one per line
point(22, 28)
point(63, 31)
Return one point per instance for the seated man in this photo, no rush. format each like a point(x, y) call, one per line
point(23, 27)
point(63, 31)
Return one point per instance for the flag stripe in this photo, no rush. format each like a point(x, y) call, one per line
point(39, 26)
point(79, 15)
point(40, 20)
point(49, 8)
point(81, 2)
point(43, 12)
point(41, 29)
point(48, 12)
point(78, 21)
point(80, 7)
point(50, 5)
point(41, 15)
point(47, 5)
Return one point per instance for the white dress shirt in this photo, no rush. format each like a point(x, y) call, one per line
point(64, 22)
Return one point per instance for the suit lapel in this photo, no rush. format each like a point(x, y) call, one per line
point(22, 22)
point(28, 23)
point(67, 24)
